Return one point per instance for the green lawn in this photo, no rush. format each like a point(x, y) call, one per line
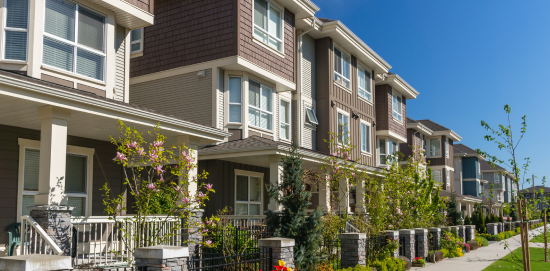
point(509, 262)
point(539, 238)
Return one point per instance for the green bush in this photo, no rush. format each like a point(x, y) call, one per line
point(496, 237)
point(485, 235)
point(507, 235)
point(482, 242)
point(395, 264)
point(502, 236)
point(518, 231)
point(358, 268)
point(380, 266)
point(445, 252)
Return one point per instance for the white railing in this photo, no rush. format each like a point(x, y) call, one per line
point(34, 239)
point(245, 221)
point(351, 229)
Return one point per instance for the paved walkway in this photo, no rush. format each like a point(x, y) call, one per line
point(479, 259)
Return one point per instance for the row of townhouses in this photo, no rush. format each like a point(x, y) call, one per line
point(239, 80)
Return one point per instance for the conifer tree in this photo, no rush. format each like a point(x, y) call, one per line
point(467, 220)
point(294, 222)
point(454, 214)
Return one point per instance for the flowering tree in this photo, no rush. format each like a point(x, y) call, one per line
point(158, 178)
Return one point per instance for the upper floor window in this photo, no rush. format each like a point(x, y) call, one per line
point(136, 37)
point(235, 99)
point(260, 108)
point(311, 117)
point(343, 128)
point(74, 39)
point(365, 137)
point(497, 178)
point(387, 148)
point(342, 68)
point(447, 149)
point(435, 147)
point(364, 83)
point(268, 24)
point(15, 29)
point(397, 106)
point(285, 120)
point(436, 174)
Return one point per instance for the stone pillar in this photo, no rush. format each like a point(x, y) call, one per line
point(276, 178)
point(353, 249)
point(492, 228)
point(324, 193)
point(360, 197)
point(343, 195)
point(191, 232)
point(507, 226)
point(421, 237)
point(408, 248)
point(172, 258)
point(435, 236)
point(281, 249)
point(53, 156)
point(394, 237)
point(516, 225)
point(56, 222)
point(500, 227)
point(462, 233)
point(31, 262)
point(470, 232)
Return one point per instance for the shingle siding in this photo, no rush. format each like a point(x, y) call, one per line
point(308, 67)
point(147, 5)
point(120, 62)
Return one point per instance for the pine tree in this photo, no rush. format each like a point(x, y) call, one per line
point(467, 220)
point(294, 222)
point(454, 214)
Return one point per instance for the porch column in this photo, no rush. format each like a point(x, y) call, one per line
point(53, 156)
point(276, 178)
point(343, 195)
point(360, 197)
point(470, 209)
point(324, 193)
point(189, 143)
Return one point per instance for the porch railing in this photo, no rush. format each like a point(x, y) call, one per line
point(245, 221)
point(34, 239)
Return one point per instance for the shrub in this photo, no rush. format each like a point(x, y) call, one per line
point(356, 268)
point(445, 252)
point(395, 264)
point(419, 260)
point(327, 267)
point(380, 266)
point(507, 235)
point(496, 237)
point(482, 242)
point(473, 245)
point(485, 235)
point(502, 236)
point(518, 231)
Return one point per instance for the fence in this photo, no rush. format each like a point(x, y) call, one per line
point(236, 240)
point(254, 259)
point(332, 249)
point(374, 245)
point(402, 245)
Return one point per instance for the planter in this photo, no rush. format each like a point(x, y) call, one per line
point(419, 264)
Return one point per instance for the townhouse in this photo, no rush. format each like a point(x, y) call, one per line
point(538, 195)
point(499, 179)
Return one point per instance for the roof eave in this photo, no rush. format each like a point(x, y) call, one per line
point(420, 128)
point(396, 82)
point(301, 8)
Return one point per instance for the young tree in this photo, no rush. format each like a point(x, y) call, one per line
point(294, 222)
point(467, 220)
point(454, 214)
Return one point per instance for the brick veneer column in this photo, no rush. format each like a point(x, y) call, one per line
point(435, 236)
point(507, 226)
point(353, 249)
point(281, 249)
point(409, 242)
point(56, 222)
point(462, 233)
point(393, 236)
point(421, 236)
point(492, 228)
point(470, 232)
point(156, 258)
point(192, 234)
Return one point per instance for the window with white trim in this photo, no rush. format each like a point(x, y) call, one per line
point(285, 119)
point(448, 177)
point(397, 107)
point(311, 117)
point(136, 39)
point(434, 147)
point(16, 25)
point(446, 148)
point(365, 137)
point(480, 188)
point(364, 83)
point(268, 24)
point(74, 39)
point(75, 181)
point(260, 105)
point(343, 128)
point(436, 174)
point(497, 177)
point(387, 148)
point(342, 68)
point(235, 99)
point(249, 195)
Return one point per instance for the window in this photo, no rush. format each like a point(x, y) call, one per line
point(497, 177)
point(260, 111)
point(480, 188)
point(364, 81)
point(75, 181)
point(437, 176)
point(268, 24)
point(365, 137)
point(235, 99)
point(311, 117)
point(249, 195)
point(136, 38)
point(74, 39)
point(424, 144)
point(343, 128)
point(15, 29)
point(435, 147)
point(446, 148)
point(387, 148)
point(397, 106)
point(448, 177)
point(285, 120)
point(342, 67)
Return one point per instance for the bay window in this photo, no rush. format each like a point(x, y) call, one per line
point(397, 107)
point(268, 24)
point(74, 39)
point(365, 137)
point(436, 174)
point(343, 128)
point(235, 99)
point(249, 195)
point(136, 38)
point(364, 83)
point(342, 68)
point(285, 120)
point(16, 24)
point(260, 109)
point(434, 147)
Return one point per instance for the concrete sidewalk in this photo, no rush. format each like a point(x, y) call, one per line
point(479, 259)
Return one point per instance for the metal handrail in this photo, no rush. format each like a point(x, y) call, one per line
point(34, 231)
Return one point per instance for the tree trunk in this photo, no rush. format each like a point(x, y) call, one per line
point(545, 240)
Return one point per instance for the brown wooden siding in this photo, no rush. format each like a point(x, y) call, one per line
point(384, 112)
point(413, 141)
point(147, 5)
point(187, 32)
point(105, 170)
point(222, 175)
point(261, 56)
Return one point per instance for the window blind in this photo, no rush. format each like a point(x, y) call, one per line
point(30, 172)
point(16, 45)
point(89, 64)
point(58, 55)
point(27, 201)
point(78, 203)
point(90, 29)
point(235, 99)
point(60, 19)
point(17, 12)
point(75, 174)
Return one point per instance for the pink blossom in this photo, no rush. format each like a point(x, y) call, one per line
point(208, 242)
point(159, 169)
point(205, 230)
point(151, 186)
point(335, 154)
point(120, 156)
point(157, 143)
point(178, 189)
point(390, 226)
point(209, 186)
point(186, 200)
point(141, 151)
point(353, 174)
point(445, 213)
point(133, 145)
point(201, 195)
point(197, 200)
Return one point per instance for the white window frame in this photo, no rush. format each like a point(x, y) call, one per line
point(430, 147)
point(239, 172)
point(368, 140)
point(446, 148)
point(448, 177)
point(313, 121)
point(273, 98)
point(282, 32)
point(76, 45)
point(368, 83)
point(336, 73)
point(289, 124)
point(347, 127)
point(13, 29)
point(76, 150)
point(396, 115)
point(439, 177)
point(496, 178)
point(387, 143)
point(229, 103)
point(140, 41)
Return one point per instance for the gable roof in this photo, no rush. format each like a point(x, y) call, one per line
point(461, 148)
point(433, 125)
point(537, 188)
point(484, 165)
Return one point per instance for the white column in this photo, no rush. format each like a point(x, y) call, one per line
point(360, 197)
point(470, 209)
point(186, 140)
point(53, 156)
point(276, 178)
point(324, 193)
point(343, 195)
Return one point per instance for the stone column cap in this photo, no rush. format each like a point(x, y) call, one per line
point(31, 262)
point(276, 242)
point(161, 252)
point(353, 236)
point(434, 229)
point(470, 226)
point(50, 208)
point(406, 231)
point(453, 227)
point(420, 230)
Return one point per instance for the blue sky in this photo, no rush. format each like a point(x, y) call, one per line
point(467, 59)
